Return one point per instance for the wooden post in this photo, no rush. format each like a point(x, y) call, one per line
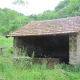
point(15, 44)
point(1, 50)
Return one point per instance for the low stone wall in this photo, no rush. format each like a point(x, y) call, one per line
point(48, 61)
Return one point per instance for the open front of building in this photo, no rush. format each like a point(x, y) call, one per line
point(48, 46)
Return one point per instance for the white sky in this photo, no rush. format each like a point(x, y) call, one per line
point(33, 6)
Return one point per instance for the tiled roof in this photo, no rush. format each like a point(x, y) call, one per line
point(49, 27)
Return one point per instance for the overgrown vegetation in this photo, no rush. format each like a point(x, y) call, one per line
point(26, 69)
point(6, 44)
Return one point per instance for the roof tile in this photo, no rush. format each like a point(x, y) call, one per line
point(46, 27)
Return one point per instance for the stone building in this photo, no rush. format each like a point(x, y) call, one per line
point(57, 38)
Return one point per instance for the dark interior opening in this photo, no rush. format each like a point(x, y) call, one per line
point(49, 46)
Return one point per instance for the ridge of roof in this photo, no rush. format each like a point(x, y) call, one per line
point(56, 19)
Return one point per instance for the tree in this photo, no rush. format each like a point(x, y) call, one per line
point(2, 17)
point(62, 5)
point(20, 3)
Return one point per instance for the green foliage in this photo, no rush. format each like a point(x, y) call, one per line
point(7, 44)
point(11, 20)
point(23, 69)
point(46, 15)
point(73, 9)
point(65, 8)
point(62, 5)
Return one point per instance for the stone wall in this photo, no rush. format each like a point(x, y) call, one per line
point(49, 62)
point(15, 45)
point(74, 49)
point(78, 48)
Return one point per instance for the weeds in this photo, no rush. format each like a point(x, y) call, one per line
point(25, 69)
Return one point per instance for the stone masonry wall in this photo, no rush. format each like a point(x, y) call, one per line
point(15, 43)
point(78, 48)
point(74, 49)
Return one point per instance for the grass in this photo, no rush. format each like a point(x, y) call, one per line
point(7, 44)
point(23, 69)
point(13, 70)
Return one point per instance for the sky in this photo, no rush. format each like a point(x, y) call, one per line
point(33, 6)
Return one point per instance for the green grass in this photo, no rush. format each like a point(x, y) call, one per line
point(11, 69)
point(7, 44)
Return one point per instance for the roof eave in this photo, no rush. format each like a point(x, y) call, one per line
point(39, 34)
